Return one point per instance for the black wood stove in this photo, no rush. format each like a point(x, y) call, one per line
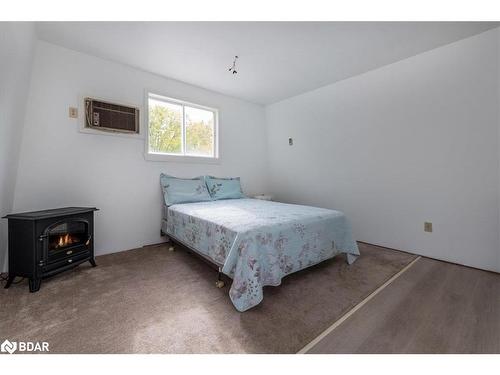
point(44, 243)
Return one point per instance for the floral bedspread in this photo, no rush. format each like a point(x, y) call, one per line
point(259, 242)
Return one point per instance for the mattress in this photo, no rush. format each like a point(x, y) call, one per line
point(258, 242)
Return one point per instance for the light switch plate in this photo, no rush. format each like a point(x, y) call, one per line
point(427, 226)
point(73, 112)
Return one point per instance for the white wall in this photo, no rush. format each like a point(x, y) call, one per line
point(60, 166)
point(412, 141)
point(17, 42)
point(498, 114)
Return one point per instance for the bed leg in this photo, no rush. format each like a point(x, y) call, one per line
point(163, 234)
point(219, 283)
point(167, 240)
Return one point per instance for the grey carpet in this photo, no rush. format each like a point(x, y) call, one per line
point(150, 300)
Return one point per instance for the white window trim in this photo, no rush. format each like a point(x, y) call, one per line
point(156, 156)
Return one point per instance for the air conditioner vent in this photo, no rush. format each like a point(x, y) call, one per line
point(111, 117)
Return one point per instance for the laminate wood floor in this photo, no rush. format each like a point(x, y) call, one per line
point(434, 307)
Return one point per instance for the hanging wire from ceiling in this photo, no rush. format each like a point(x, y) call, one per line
point(232, 69)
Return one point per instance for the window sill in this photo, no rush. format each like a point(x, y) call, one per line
point(181, 158)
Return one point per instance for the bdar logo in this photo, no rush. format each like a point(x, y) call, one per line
point(9, 347)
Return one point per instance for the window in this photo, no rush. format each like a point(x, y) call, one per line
point(177, 128)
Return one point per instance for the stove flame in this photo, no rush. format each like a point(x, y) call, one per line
point(65, 240)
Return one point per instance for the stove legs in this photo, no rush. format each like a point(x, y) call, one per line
point(92, 262)
point(34, 284)
point(9, 281)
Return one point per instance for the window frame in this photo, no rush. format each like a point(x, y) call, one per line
point(159, 156)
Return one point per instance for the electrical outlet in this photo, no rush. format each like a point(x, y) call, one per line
point(73, 112)
point(290, 141)
point(427, 226)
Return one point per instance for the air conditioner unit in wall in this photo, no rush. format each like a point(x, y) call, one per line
point(111, 117)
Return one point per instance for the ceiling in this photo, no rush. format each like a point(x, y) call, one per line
point(277, 60)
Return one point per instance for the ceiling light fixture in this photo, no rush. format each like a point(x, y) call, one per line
point(233, 67)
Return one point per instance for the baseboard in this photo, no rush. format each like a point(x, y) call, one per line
point(428, 257)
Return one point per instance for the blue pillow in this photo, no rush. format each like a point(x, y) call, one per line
point(224, 188)
point(183, 190)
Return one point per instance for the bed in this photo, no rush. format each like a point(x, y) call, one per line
point(257, 242)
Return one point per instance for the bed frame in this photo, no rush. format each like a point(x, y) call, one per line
point(219, 283)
